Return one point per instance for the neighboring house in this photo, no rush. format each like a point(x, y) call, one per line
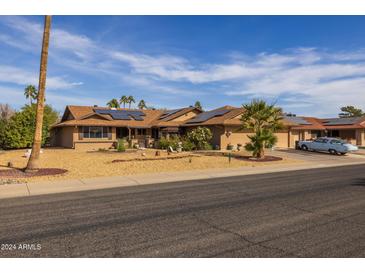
point(84, 127)
point(350, 129)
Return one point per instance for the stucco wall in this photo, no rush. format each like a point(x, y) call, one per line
point(65, 137)
point(283, 139)
point(294, 136)
point(234, 136)
point(238, 136)
point(360, 137)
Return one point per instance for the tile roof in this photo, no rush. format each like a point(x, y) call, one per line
point(86, 116)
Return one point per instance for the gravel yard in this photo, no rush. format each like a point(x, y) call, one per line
point(81, 164)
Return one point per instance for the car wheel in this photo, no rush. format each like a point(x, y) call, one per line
point(343, 153)
point(332, 151)
point(304, 147)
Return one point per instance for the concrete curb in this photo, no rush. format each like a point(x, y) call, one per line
point(72, 185)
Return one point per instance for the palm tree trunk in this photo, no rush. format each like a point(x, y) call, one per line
point(261, 153)
point(33, 163)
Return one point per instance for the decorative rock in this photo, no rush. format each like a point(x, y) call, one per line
point(158, 153)
point(143, 154)
point(10, 164)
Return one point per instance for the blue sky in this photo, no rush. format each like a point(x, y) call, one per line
point(309, 65)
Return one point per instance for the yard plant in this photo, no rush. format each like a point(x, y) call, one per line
point(264, 120)
point(18, 131)
point(200, 137)
point(121, 145)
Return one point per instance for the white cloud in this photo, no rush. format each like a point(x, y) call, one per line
point(326, 80)
point(14, 75)
point(15, 97)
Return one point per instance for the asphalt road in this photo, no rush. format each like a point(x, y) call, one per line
point(308, 213)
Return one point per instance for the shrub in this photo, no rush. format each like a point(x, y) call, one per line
point(19, 130)
point(208, 146)
point(164, 143)
point(187, 145)
point(121, 146)
point(200, 137)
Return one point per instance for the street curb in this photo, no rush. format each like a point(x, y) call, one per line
point(43, 188)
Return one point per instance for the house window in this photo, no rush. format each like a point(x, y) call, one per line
point(85, 132)
point(96, 132)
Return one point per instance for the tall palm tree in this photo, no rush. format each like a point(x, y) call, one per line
point(30, 92)
point(113, 103)
point(123, 100)
point(264, 120)
point(131, 100)
point(142, 104)
point(33, 163)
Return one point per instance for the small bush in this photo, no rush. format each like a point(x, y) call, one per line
point(164, 143)
point(187, 145)
point(208, 146)
point(121, 146)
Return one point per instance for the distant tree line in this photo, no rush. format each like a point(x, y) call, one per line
point(129, 100)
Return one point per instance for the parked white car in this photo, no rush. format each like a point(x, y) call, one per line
point(332, 145)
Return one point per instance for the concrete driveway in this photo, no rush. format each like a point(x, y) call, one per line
point(319, 157)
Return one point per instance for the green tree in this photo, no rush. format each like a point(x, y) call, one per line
point(31, 93)
point(200, 137)
point(19, 130)
point(6, 112)
point(123, 100)
point(264, 120)
point(350, 111)
point(113, 103)
point(131, 100)
point(142, 104)
point(198, 105)
point(3, 124)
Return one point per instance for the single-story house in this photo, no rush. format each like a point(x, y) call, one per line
point(86, 127)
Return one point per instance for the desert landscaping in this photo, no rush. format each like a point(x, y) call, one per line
point(88, 164)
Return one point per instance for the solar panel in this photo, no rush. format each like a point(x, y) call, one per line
point(136, 117)
point(297, 120)
point(169, 112)
point(341, 121)
point(122, 114)
point(208, 115)
point(104, 111)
